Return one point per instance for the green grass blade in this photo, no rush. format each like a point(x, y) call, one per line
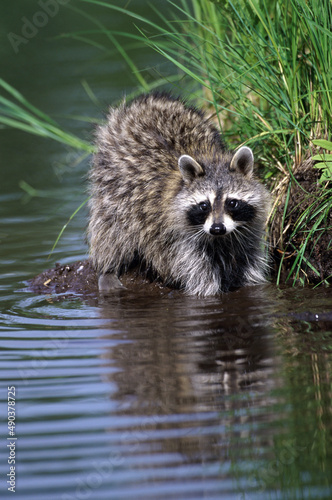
point(65, 226)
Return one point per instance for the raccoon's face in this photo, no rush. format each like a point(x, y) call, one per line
point(220, 211)
point(220, 214)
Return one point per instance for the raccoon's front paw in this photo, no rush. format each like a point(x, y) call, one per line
point(109, 282)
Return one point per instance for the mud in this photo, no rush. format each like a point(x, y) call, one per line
point(80, 278)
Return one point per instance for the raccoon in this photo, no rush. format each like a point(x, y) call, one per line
point(168, 196)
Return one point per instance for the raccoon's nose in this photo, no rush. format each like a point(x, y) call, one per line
point(218, 229)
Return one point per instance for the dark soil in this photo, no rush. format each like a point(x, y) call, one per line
point(80, 278)
point(306, 191)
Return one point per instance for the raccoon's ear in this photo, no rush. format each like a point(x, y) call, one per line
point(189, 168)
point(243, 161)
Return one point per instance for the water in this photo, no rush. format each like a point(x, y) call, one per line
point(141, 395)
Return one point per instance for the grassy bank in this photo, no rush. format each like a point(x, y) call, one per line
point(264, 69)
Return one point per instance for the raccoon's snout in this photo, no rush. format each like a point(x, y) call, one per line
point(218, 229)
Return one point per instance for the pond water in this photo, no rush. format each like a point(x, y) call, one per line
point(137, 395)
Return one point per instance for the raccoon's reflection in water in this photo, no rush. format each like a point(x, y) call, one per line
point(194, 372)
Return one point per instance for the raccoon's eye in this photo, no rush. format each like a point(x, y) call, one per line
point(204, 206)
point(233, 203)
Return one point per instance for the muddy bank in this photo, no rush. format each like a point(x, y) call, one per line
point(80, 278)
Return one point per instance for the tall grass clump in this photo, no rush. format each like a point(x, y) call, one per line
point(265, 68)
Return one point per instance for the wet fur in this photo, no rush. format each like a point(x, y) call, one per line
point(140, 200)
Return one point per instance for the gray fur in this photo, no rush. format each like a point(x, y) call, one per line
point(157, 159)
